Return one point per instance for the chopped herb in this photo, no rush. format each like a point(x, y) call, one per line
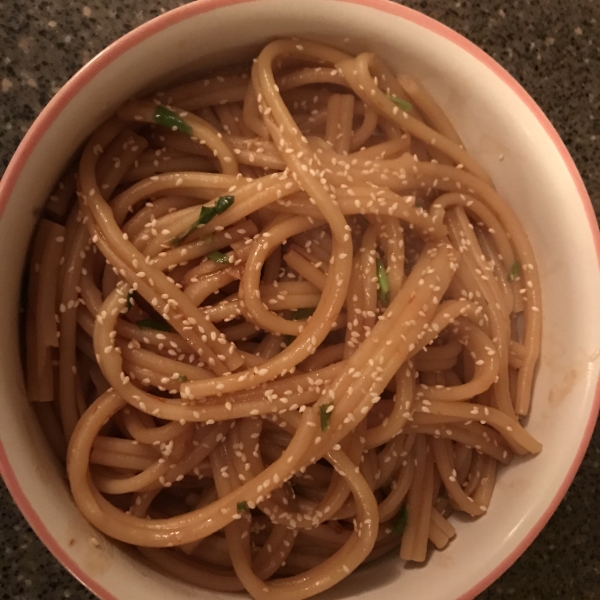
point(128, 302)
point(218, 257)
point(166, 117)
point(223, 203)
point(176, 241)
point(207, 213)
point(325, 411)
point(301, 314)
point(183, 378)
point(515, 271)
point(384, 283)
point(405, 105)
point(158, 324)
point(400, 521)
point(288, 339)
point(242, 506)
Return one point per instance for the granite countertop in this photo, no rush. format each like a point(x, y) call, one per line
point(552, 47)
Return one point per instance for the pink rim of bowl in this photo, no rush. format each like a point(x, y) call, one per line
point(143, 32)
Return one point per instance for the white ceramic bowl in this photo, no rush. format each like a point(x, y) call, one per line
point(495, 117)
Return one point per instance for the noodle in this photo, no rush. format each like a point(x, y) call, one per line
point(281, 324)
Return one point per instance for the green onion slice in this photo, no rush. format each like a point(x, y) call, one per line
point(515, 271)
point(223, 203)
point(207, 214)
point(218, 257)
point(166, 117)
point(325, 411)
point(384, 283)
point(405, 105)
point(157, 324)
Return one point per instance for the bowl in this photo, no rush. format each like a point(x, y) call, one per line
point(499, 123)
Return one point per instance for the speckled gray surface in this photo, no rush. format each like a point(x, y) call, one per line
point(551, 46)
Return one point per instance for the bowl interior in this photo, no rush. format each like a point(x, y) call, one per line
point(497, 125)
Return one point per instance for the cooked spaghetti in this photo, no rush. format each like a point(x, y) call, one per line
point(281, 323)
